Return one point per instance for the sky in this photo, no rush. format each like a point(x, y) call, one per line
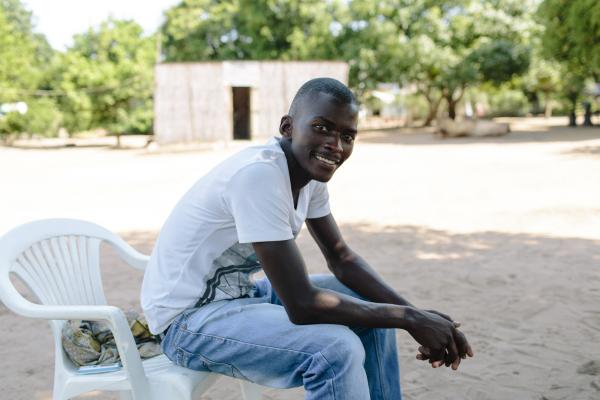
point(59, 20)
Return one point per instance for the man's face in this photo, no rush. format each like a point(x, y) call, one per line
point(322, 134)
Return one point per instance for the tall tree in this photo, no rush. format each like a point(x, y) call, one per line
point(461, 44)
point(439, 47)
point(23, 53)
point(24, 61)
point(249, 29)
point(572, 37)
point(107, 76)
point(572, 33)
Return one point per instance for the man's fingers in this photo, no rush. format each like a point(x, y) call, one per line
point(423, 353)
point(461, 343)
point(470, 351)
point(437, 357)
point(457, 324)
point(452, 354)
point(456, 363)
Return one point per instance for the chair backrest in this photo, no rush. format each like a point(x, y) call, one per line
point(59, 260)
point(63, 270)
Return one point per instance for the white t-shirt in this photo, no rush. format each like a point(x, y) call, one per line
point(204, 251)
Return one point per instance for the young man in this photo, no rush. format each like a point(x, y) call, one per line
point(329, 333)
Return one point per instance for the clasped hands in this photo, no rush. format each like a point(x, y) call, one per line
point(441, 342)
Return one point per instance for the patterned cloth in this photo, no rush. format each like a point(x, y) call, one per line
point(231, 274)
point(92, 342)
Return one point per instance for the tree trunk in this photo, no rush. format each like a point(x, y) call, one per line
point(118, 140)
point(547, 106)
point(453, 102)
point(587, 120)
point(572, 118)
point(434, 105)
point(572, 115)
point(451, 108)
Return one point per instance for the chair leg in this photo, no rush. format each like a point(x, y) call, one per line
point(251, 391)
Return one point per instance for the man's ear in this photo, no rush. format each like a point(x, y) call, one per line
point(285, 127)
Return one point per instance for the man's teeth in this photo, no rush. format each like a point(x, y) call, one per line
point(325, 160)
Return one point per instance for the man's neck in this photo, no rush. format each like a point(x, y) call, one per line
point(298, 176)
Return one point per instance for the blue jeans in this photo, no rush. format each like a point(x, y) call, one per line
point(253, 339)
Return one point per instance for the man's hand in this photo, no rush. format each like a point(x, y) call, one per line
point(441, 342)
point(445, 316)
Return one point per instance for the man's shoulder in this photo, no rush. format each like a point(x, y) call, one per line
point(258, 163)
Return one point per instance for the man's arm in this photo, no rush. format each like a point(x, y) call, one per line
point(354, 272)
point(307, 304)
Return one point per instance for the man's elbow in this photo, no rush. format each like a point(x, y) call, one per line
point(302, 312)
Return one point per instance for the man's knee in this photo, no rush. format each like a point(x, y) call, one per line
point(345, 348)
point(326, 281)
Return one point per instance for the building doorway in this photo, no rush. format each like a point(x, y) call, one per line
point(241, 112)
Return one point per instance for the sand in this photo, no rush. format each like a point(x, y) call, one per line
point(501, 233)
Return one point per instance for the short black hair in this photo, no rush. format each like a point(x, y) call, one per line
point(330, 86)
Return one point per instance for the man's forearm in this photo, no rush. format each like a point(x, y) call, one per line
point(330, 307)
point(356, 274)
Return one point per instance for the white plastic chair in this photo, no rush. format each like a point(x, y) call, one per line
point(58, 259)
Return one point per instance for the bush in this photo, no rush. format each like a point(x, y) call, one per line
point(42, 117)
point(416, 106)
point(508, 103)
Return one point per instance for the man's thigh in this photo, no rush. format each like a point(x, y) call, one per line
point(255, 340)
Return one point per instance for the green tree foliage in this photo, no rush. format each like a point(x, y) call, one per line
point(461, 44)
point(250, 29)
point(439, 47)
point(24, 60)
point(107, 79)
point(572, 37)
point(541, 83)
point(572, 33)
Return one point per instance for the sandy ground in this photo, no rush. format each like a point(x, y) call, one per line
point(501, 233)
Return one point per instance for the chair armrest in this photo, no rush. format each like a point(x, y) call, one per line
point(130, 255)
point(117, 322)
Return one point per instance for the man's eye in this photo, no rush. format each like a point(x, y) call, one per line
point(320, 127)
point(348, 138)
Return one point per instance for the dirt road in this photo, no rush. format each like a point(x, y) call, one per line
point(501, 233)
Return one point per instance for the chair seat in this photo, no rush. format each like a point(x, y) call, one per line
point(163, 376)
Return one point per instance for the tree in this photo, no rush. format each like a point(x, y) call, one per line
point(543, 79)
point(572, 33)
point(24, 58)
point(459, 44)
point(23, 53)
point(107, 79)
point(439, 47)
point(198, 30)
point(572, 37)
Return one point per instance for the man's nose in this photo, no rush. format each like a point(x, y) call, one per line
point(335, 143)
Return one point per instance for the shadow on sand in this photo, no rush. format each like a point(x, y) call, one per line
point(528, 302)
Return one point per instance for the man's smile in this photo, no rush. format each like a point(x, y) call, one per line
point(327, 159)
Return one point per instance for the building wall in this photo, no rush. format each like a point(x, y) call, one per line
point(192, 101)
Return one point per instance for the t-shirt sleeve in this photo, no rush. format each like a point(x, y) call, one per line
point(319, 201)
point(258, 199)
